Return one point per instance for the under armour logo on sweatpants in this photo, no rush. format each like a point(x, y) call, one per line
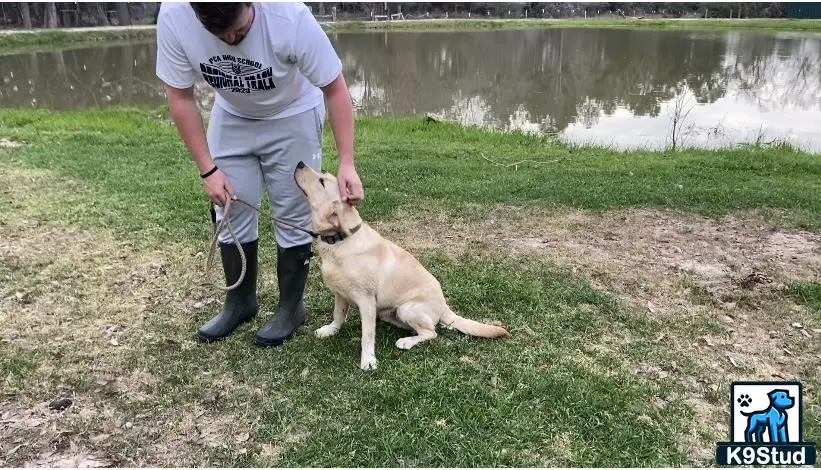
point(315, 156)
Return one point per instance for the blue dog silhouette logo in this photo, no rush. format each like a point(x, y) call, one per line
point(771, 420)
point(765, 426)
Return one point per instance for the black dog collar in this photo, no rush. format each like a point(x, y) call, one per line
point(338, 237)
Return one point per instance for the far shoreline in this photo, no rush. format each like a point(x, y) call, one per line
point(13, 39)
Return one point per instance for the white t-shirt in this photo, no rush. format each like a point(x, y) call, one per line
point(275, 72)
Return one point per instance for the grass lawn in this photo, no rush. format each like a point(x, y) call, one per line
point(636, 285)
point(18, 42)
point(655, 23)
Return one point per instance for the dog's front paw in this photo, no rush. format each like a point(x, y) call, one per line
point(368, 363)
point(325, 331)
point(407, 342)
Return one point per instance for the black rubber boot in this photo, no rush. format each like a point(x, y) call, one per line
point(292, 273)
point(241, 303)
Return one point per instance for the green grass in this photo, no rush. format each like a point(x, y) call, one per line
point(546, 396)
point(68, 46)
point(16, 367)
point(670, 23)
point(806, 293)
point(513, 395)
point(19, 42)
point(142, 172)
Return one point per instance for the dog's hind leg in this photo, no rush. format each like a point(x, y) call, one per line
point(416, 316)
point(389, 316)
point(340, 315)
point(754, 431)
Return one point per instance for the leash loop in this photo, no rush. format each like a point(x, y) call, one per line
point(225, 223)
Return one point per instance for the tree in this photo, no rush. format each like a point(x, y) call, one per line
point(123, 15)
point(25, 12)
point(97, 12)
point(51, 15)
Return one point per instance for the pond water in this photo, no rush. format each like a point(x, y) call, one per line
point(611, 87)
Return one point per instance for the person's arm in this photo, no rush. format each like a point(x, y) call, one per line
point(316, 58)
point(340, 115)
point(186, 116)
point(175, 70)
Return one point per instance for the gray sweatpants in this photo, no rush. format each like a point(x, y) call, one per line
point(258, 155)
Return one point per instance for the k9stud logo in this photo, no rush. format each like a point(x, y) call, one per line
point(765, 426)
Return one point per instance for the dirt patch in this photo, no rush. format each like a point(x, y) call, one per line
point(715, 283)
point(102, 305)
point(96, 434)
point(636, 251)
point(795, 249)
point(91, 297)
point(271, 453)
point(31, 438)
point(59, 289)
point(644, 253)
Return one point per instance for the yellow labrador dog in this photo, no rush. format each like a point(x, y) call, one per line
point(382, 279)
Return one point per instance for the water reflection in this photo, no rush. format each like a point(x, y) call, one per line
point(80, 78)
point(604, 86)
point(612, 87)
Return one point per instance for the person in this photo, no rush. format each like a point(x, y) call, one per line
point(274, 71)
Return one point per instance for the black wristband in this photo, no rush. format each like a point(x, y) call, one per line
point(209, 173)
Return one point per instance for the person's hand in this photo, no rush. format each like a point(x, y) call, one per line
point(350, 187)
point(218, 188)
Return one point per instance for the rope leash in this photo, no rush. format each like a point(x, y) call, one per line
point(225, 223)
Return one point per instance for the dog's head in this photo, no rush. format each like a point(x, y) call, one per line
point(329, 214)
point(781, 399)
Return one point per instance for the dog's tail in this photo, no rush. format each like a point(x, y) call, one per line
point(750, 413)
point(472, 327)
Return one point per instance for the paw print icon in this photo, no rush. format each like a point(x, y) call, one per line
point(744, 400)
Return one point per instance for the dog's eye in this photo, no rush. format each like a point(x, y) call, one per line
point(322, 182)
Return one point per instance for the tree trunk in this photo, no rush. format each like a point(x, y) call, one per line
point(26, 13)
point(51, 15)
point(123, 15)
point(98, 12)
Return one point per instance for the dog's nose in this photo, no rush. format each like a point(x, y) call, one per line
point(300, 164)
